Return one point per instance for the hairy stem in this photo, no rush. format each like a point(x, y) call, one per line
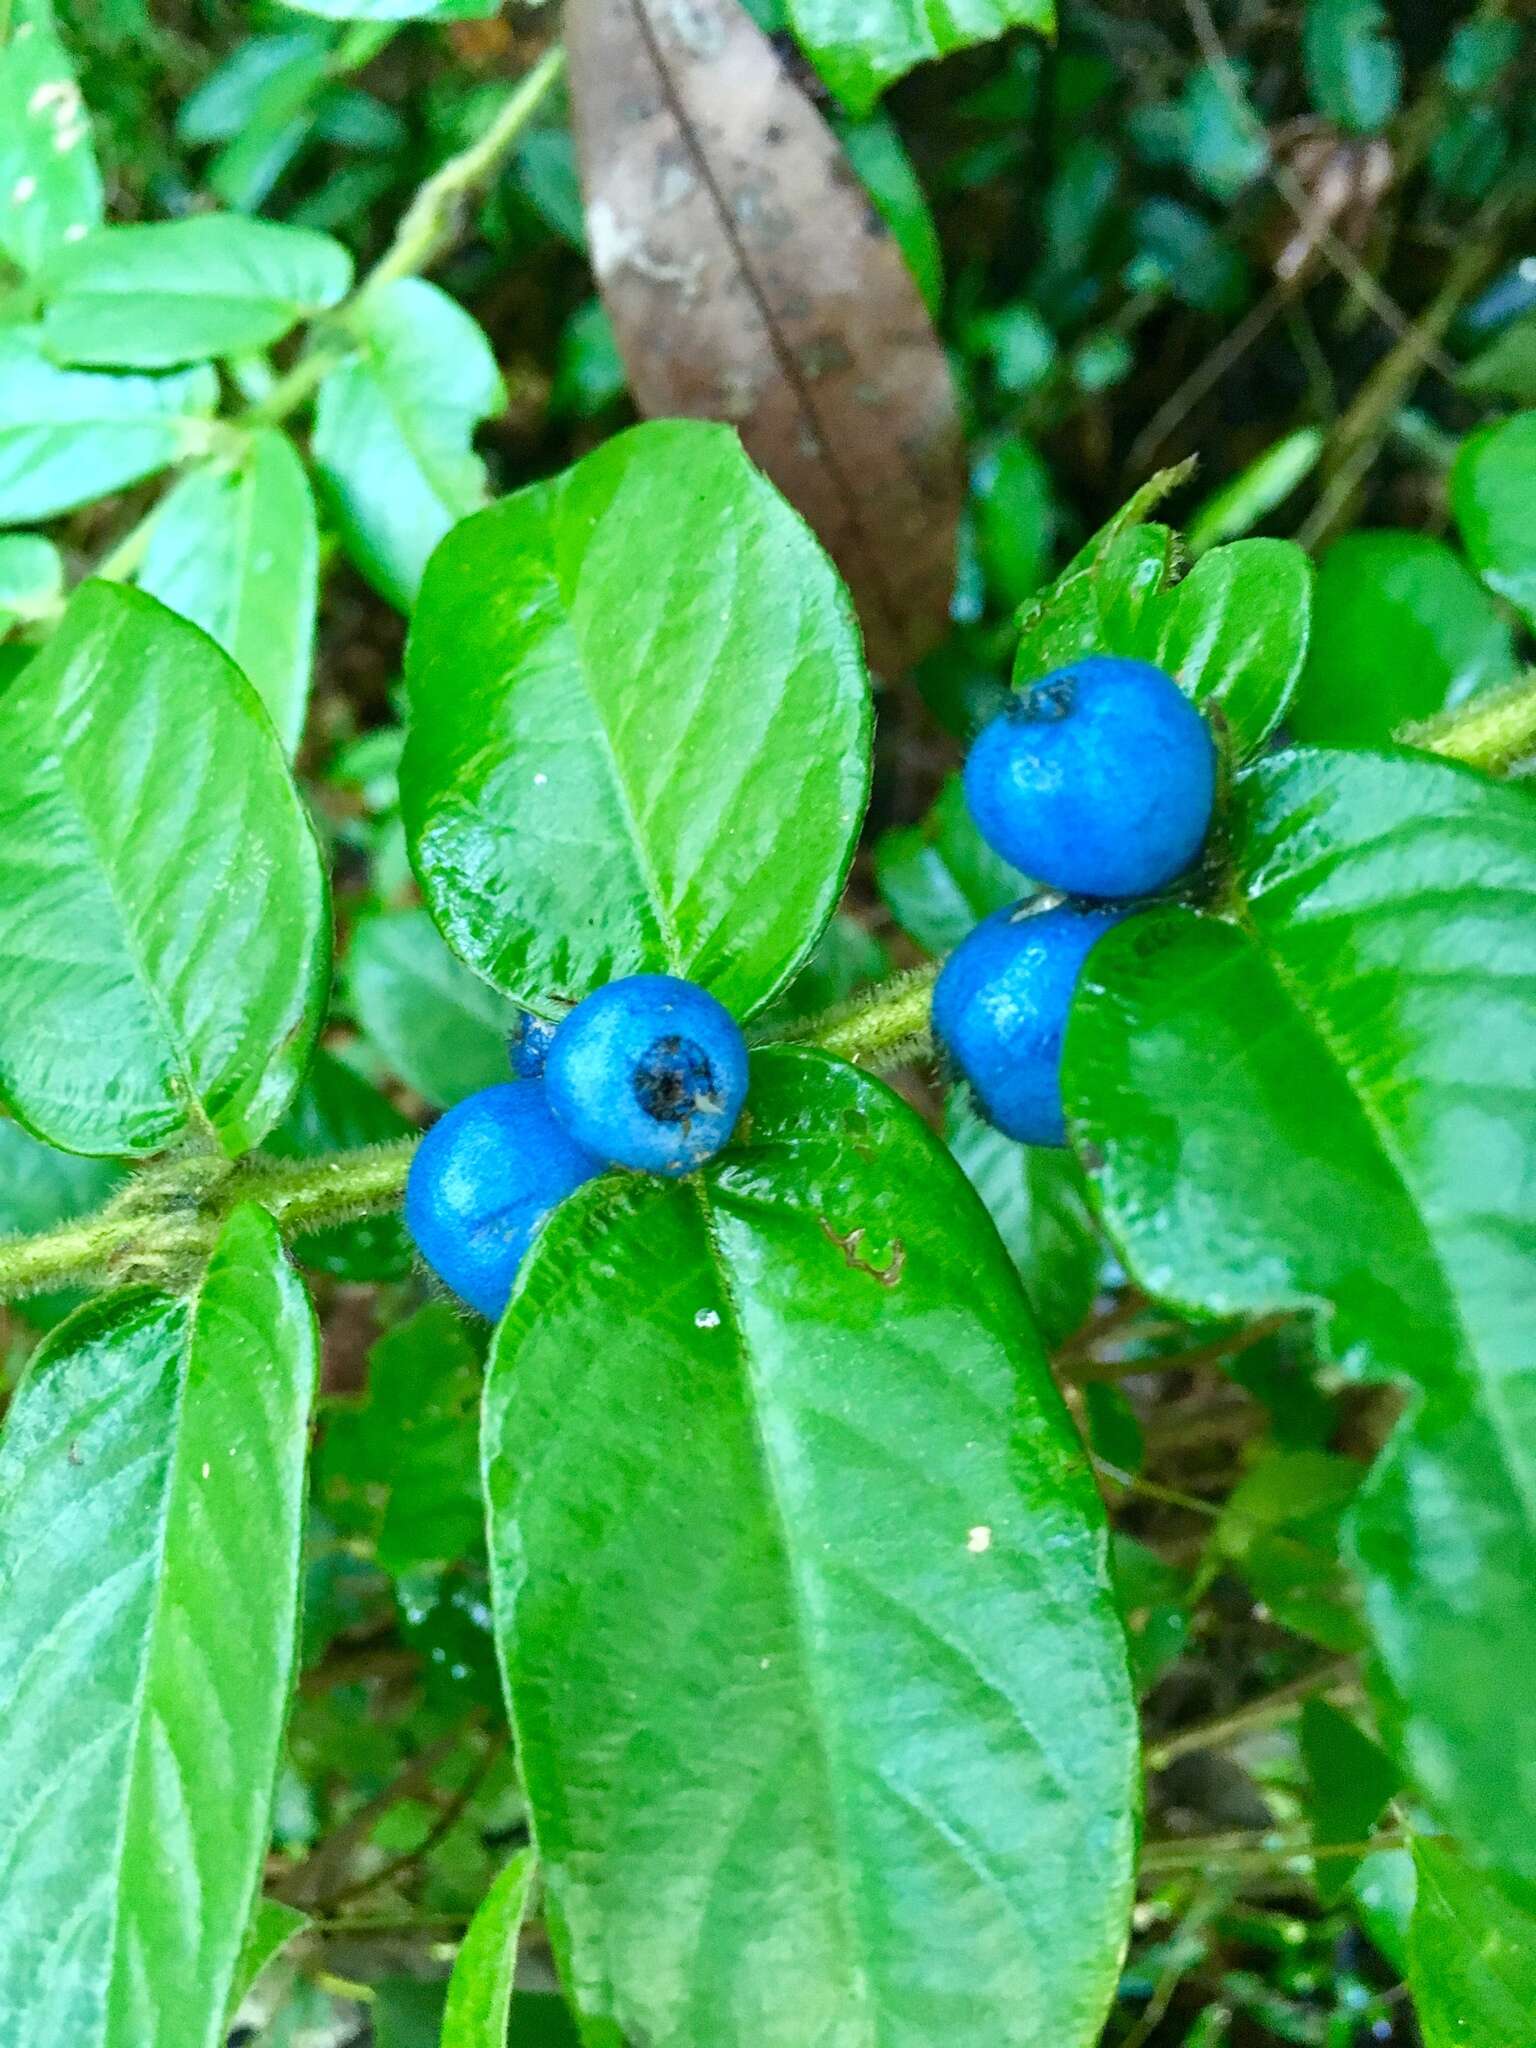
point(1495, 732)
point(169, 1217)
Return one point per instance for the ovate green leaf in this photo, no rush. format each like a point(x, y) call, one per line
point(68, 436)
point(430, 1020)
point(1331, 1104)
point(236, 551)
point(821, 1700)
point(639, 727)
point(394, 428)
point(151, 1504)
point(150, 296)
point(164, 929)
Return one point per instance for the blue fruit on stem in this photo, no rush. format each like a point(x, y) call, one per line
point(1000, 1011)
point(483, 1180)
point(528, 1045)
point(1098, 780)
point(649, 1072)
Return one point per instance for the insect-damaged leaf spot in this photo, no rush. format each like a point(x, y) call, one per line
point(749, 279)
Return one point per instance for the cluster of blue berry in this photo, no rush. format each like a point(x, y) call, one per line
point(649, 1073)
point(1098, 783)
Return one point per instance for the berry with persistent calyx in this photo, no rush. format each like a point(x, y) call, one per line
point(649, 1072)
point(528, 1045)
point(1000, 1011)
point(1099, 780)
point(483, 1180)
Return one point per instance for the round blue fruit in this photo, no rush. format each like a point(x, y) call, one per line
point(483, 1180)
point(1000, 1012)
point(1099, 780)
point(528, 1045)
point(649, 1072)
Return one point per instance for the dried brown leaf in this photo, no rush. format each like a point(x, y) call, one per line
point(750, 279)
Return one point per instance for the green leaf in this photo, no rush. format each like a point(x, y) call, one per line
point(1256, 491)
point(31, 578)
point(335, 1110)
point(877, 153)
point(236, 551)
point(273, 1926)
point(1471, 1953)
point(68, 436)
point(1279, 1529)
point(1015, 513)
point(1354, 65)
point(164, 931)
point(698, 726)
point(940, 878)
point(1496, 510)
point(50, 188)
point(1234, 633)
point(150, 296)
point(1326, 1105)
point(394, 428)
point(1507, 367)
point(151, 1507)
point(430, 1020)
point(1035, 1196)
point(1402, 629)
point(862, 46)
point(41, 1186)
point(480, 1989)
point(779, 1485)
point(1352, 1780)
point(400, 1466)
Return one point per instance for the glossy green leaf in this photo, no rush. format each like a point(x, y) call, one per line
point(1014, 507)
point(236, 551)
point(1496, 508)
point(1036, 1198)
point(1471, 1953)
point(31, 578)
point(430, 1020)
point(1507, 367)
point(940, 877)
point(1234, 633)
point(399, 1467)
point(152, 295)
point(336, 1110)
point(1402, 629)
point(394, 428)
point(779, 1487)
point(1328, 1105)
point(68, 436)
point(41, 1186)
point(639, 731)
point(164, 930)
point(480, 1989)
point(151, 1506)
point(50, 188)
point(862, 46)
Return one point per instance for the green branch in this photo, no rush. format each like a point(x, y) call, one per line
point(165, 1223)
point(1495, 732)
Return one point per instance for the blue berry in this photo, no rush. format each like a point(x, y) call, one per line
point(528, 1045)
point(483, 1180)
point(1000, 1012)
point(1098, 781)
point(649, 1072)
